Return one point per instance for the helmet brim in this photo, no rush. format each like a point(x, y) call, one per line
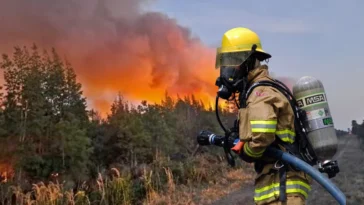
point(261, 55)
point(232, 56)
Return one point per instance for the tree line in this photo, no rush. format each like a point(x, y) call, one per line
point(46, 128)
point(47, 131)
point(358, 129)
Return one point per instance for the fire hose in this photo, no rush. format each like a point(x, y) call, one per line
point(208, 138)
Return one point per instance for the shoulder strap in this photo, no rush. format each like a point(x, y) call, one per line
point(301, 148)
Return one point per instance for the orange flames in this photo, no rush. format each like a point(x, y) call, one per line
point(181, 69)
point(114, 47)
point(153, 57)
point(6, 160)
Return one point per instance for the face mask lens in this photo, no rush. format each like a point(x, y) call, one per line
point(229, 73)
point(230, 59)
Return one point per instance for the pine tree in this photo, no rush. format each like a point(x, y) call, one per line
point(74, 102)
point(44, 109)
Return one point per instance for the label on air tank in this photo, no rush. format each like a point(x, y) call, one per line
point(320, 123)
point(318, 113)
point(310, 100)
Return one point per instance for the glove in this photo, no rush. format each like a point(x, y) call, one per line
point(238, 147)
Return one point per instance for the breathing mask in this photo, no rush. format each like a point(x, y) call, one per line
point(234, 68)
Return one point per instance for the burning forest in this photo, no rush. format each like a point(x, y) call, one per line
point(115, 46)
point(63, 62)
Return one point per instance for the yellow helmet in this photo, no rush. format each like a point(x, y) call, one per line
point(236, 45)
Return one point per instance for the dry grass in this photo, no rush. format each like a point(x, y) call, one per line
point(198, 181)
point(233, 181)
point(171, 195)
point(195, 195)
point(220, 181)
point(117, 190)
point(51, 194)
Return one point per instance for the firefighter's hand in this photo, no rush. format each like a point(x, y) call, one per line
point(238, 147)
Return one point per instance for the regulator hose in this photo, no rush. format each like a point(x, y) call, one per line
point(316, 175)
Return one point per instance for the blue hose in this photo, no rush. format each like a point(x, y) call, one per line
point(316, 175)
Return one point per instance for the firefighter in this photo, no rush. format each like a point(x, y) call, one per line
point(266, 117)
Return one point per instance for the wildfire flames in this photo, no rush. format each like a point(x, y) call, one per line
point(6, 160)
point(114, 47)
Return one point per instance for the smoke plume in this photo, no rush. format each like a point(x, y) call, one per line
point(114, 46)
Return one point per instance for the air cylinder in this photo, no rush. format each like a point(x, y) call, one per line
point(310, 95)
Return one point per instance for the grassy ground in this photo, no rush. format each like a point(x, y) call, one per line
point(200, 180)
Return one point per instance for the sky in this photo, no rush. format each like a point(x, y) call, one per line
point(114, 46)
point(323, 39)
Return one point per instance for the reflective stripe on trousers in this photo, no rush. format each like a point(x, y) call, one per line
point(273, 190)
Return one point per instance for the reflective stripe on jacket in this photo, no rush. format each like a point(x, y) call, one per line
point(269, 115)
